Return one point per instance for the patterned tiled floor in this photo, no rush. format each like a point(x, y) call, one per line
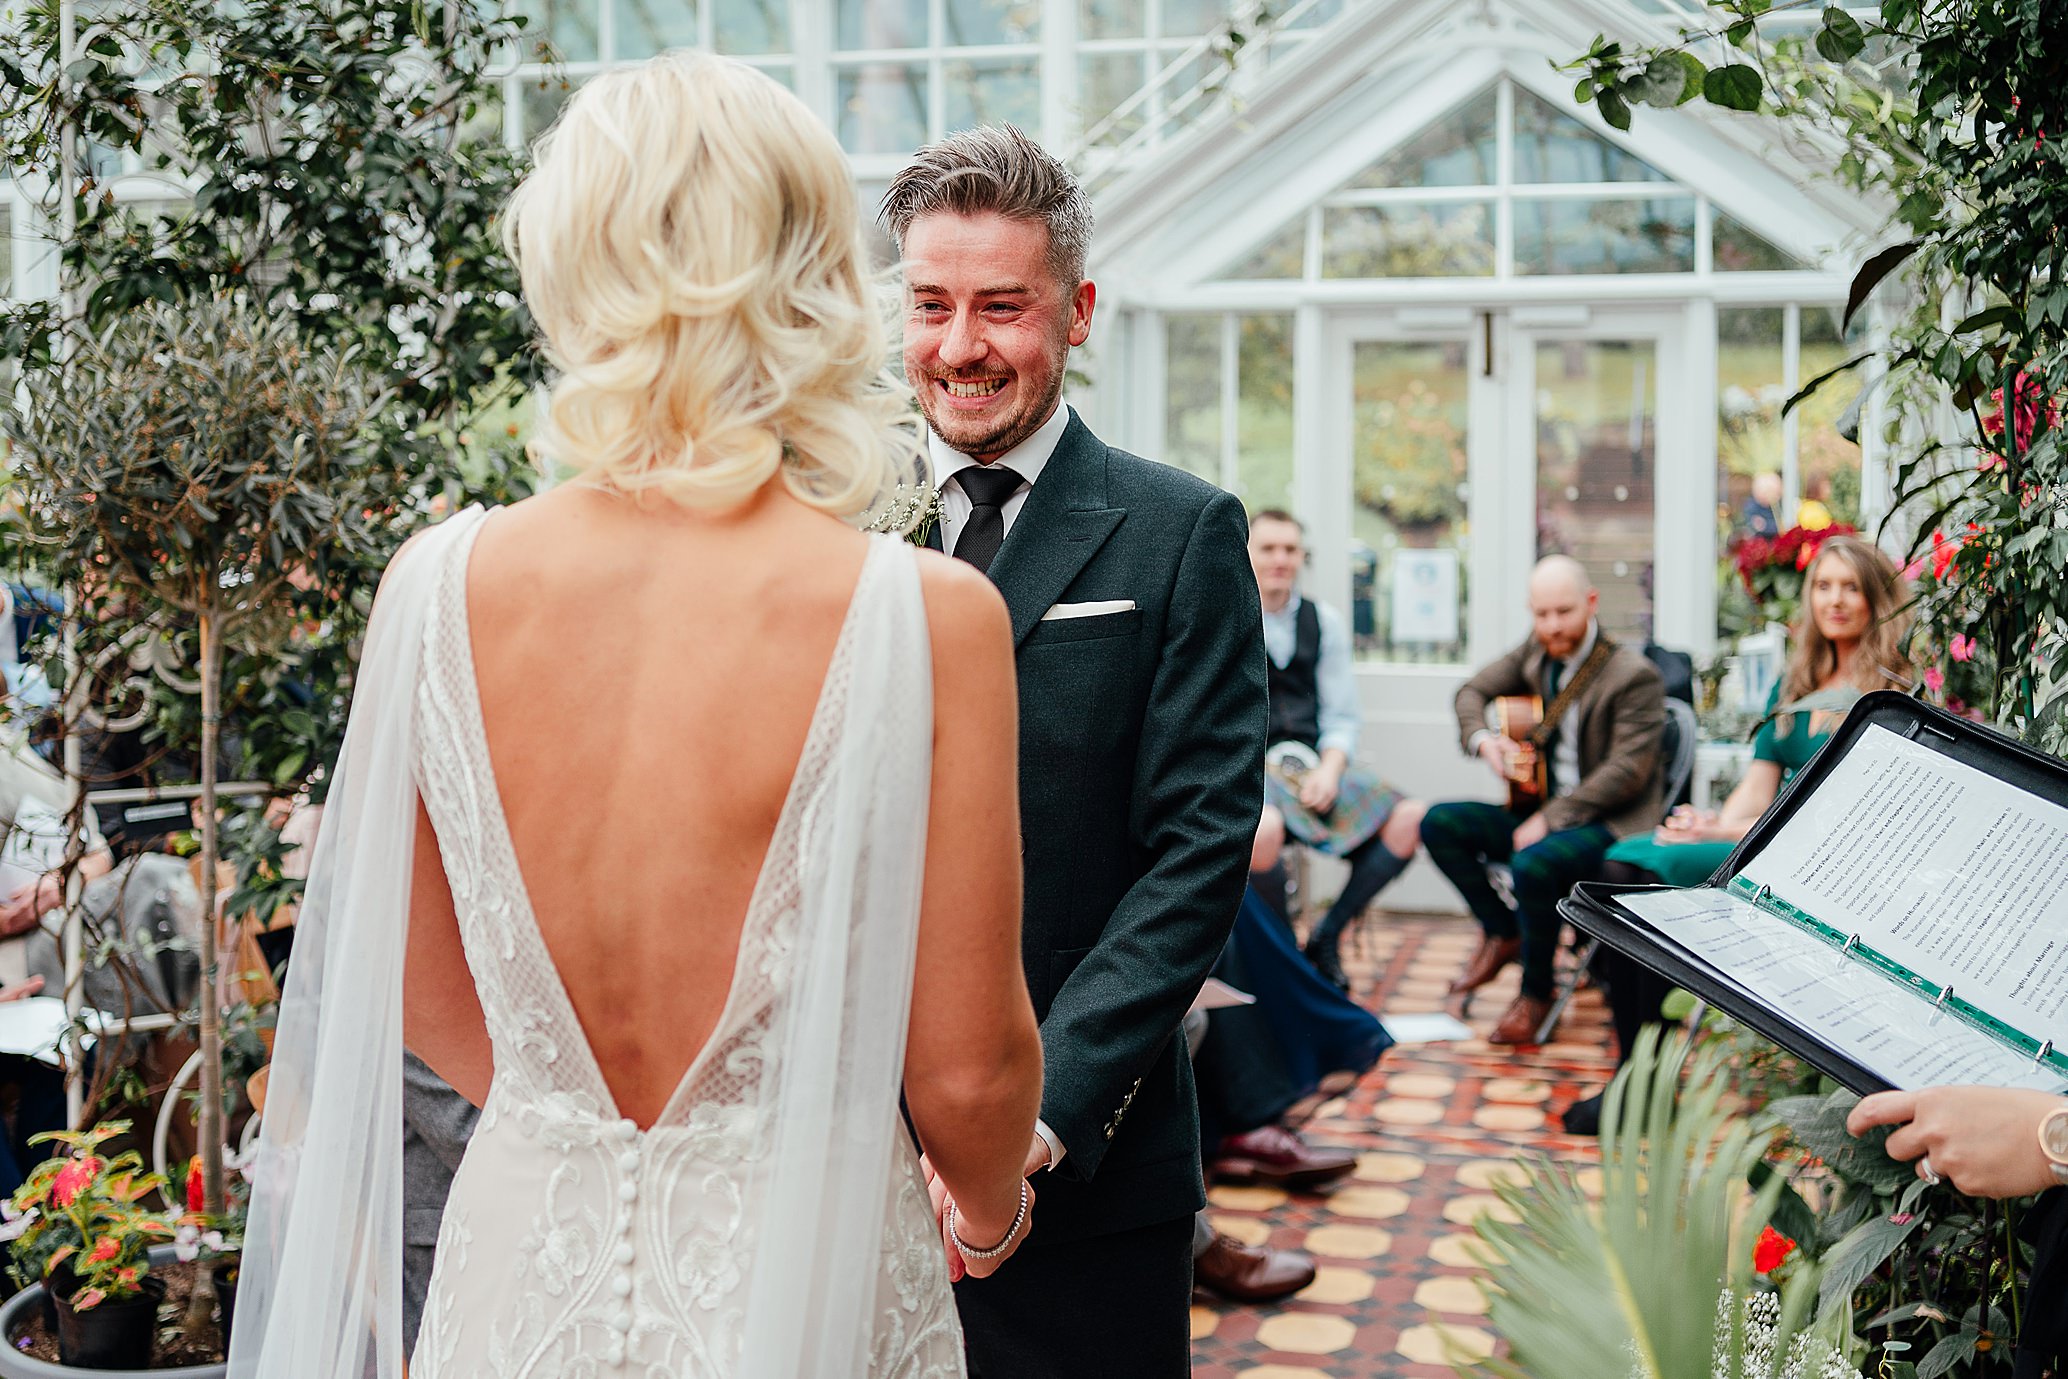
point(1436, 1125)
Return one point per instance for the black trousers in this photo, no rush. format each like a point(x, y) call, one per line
point(1104, 1307)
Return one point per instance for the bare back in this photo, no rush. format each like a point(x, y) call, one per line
point(647, 677)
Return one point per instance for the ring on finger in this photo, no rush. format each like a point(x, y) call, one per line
point(1927, 1172)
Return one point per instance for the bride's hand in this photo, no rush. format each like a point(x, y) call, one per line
point(984, 1236)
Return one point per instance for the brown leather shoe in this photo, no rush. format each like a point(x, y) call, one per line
point(1493, 955)
point(1251, 1273)
point(1277, 1155)
point(1519, 1024)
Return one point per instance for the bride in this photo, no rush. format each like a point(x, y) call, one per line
point(676, 827)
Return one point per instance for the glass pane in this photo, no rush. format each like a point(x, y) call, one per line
point(1827, 464)
point(6, 251)
point(1456, 151)
point(1749, 394)
point(882, 24)
point(1552, 146)
point(1111, 18)
point(1558, 237)
point(1281, 256)
point(882, 107)
point(646, 27)
point(1104, 82)
point(975, 22)
point(1191, 18)
point(1595, 449)
point(1408, 524)
point(1183, 100)
point(539, 102)
point(1446, 241)
point(751, 26)
point(571, 26)
point(1735, 249)
point(1264, 412)
point(780, 72)
point(999, 92)
point(1192, 393)
point(1317, 15)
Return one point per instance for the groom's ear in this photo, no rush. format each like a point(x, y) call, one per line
point(1081, 302)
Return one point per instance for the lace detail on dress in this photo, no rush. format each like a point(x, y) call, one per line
point(574, 1244)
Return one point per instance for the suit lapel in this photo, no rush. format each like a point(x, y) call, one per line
point(1062, 526)
point(933, 535)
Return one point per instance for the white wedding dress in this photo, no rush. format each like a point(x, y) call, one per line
point(773, 1222)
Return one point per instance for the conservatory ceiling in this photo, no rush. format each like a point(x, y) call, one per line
point(1427, 149)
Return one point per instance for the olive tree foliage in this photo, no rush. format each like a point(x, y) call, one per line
point(1952, 113)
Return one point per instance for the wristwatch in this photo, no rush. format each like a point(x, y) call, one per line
point(2053, 1142)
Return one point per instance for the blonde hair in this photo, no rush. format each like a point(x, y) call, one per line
point(692, 252)
point(1879, 662)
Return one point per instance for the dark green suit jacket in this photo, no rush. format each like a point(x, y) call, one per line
point(1141, 779)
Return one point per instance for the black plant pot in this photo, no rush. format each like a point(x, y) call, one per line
point(226, 1296)
point(111, 1335)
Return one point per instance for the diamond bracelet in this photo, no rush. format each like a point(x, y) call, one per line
point(1018, 1220)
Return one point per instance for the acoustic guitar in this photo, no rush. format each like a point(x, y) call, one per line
point(1517, 717)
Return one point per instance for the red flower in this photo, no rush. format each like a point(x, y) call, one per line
point(197, 1186)
point(1773, 1248)
point(74, 1178)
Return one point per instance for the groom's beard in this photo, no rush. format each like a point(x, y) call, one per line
point(992, 437)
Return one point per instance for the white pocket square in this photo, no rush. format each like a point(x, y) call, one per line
point(1060, 611)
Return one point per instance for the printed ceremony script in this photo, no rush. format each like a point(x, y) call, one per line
point(1913, 913)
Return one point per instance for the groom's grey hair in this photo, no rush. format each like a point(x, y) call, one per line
point(996, 170)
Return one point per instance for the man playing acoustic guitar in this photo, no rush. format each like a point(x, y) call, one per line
point(1581, 762)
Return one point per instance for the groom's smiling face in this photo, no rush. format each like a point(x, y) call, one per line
point(988, 328)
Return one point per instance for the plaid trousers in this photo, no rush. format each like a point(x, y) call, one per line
point(1463, 837)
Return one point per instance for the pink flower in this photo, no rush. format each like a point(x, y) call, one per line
point(1934, 679)
point(1964, 647)
point(74, 1178)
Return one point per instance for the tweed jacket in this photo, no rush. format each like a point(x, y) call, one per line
point(1620, 717)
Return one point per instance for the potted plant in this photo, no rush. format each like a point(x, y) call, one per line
point(84, 1237)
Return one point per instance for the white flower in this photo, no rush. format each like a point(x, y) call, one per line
point(17, 1221)
point(186, 1244)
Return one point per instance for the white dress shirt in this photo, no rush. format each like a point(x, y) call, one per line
point(1029, 457)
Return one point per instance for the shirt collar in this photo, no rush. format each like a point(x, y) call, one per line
point(1291, 609)
point(1029, 457)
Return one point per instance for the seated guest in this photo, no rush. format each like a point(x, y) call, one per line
point(1603, 713)
point(1332, 807)
point(1847, 641)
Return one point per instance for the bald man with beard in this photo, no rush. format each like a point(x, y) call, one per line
point(1607, 707)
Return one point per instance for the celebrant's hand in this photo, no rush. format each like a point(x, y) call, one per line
point(1500, 753)
point(1530, 832)
point(20, 911)
point(1983, 1140)
point(22, 990)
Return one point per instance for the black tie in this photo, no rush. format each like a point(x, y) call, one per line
point(988, 488)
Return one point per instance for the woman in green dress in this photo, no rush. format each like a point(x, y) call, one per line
point(1847, 640)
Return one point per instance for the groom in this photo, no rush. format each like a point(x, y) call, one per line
point(1142, 716)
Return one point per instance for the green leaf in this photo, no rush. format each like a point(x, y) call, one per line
point(1862, 1251)
point(1614, 108)
point(1821, 379)
point(1697, 74)
point(1872, 272)
point(1663, 83)
point(1739, 33)
point(1736, 87)
point(1950, 1351)
point(1841, 38)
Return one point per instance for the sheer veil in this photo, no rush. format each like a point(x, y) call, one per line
point(320, 1292)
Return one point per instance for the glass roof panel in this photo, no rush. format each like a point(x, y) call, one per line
point(1456, 150)
point(1444, 240)
point(1736, 249)
point(1552, 146)
point(1563, 237)
point(1280, 257)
